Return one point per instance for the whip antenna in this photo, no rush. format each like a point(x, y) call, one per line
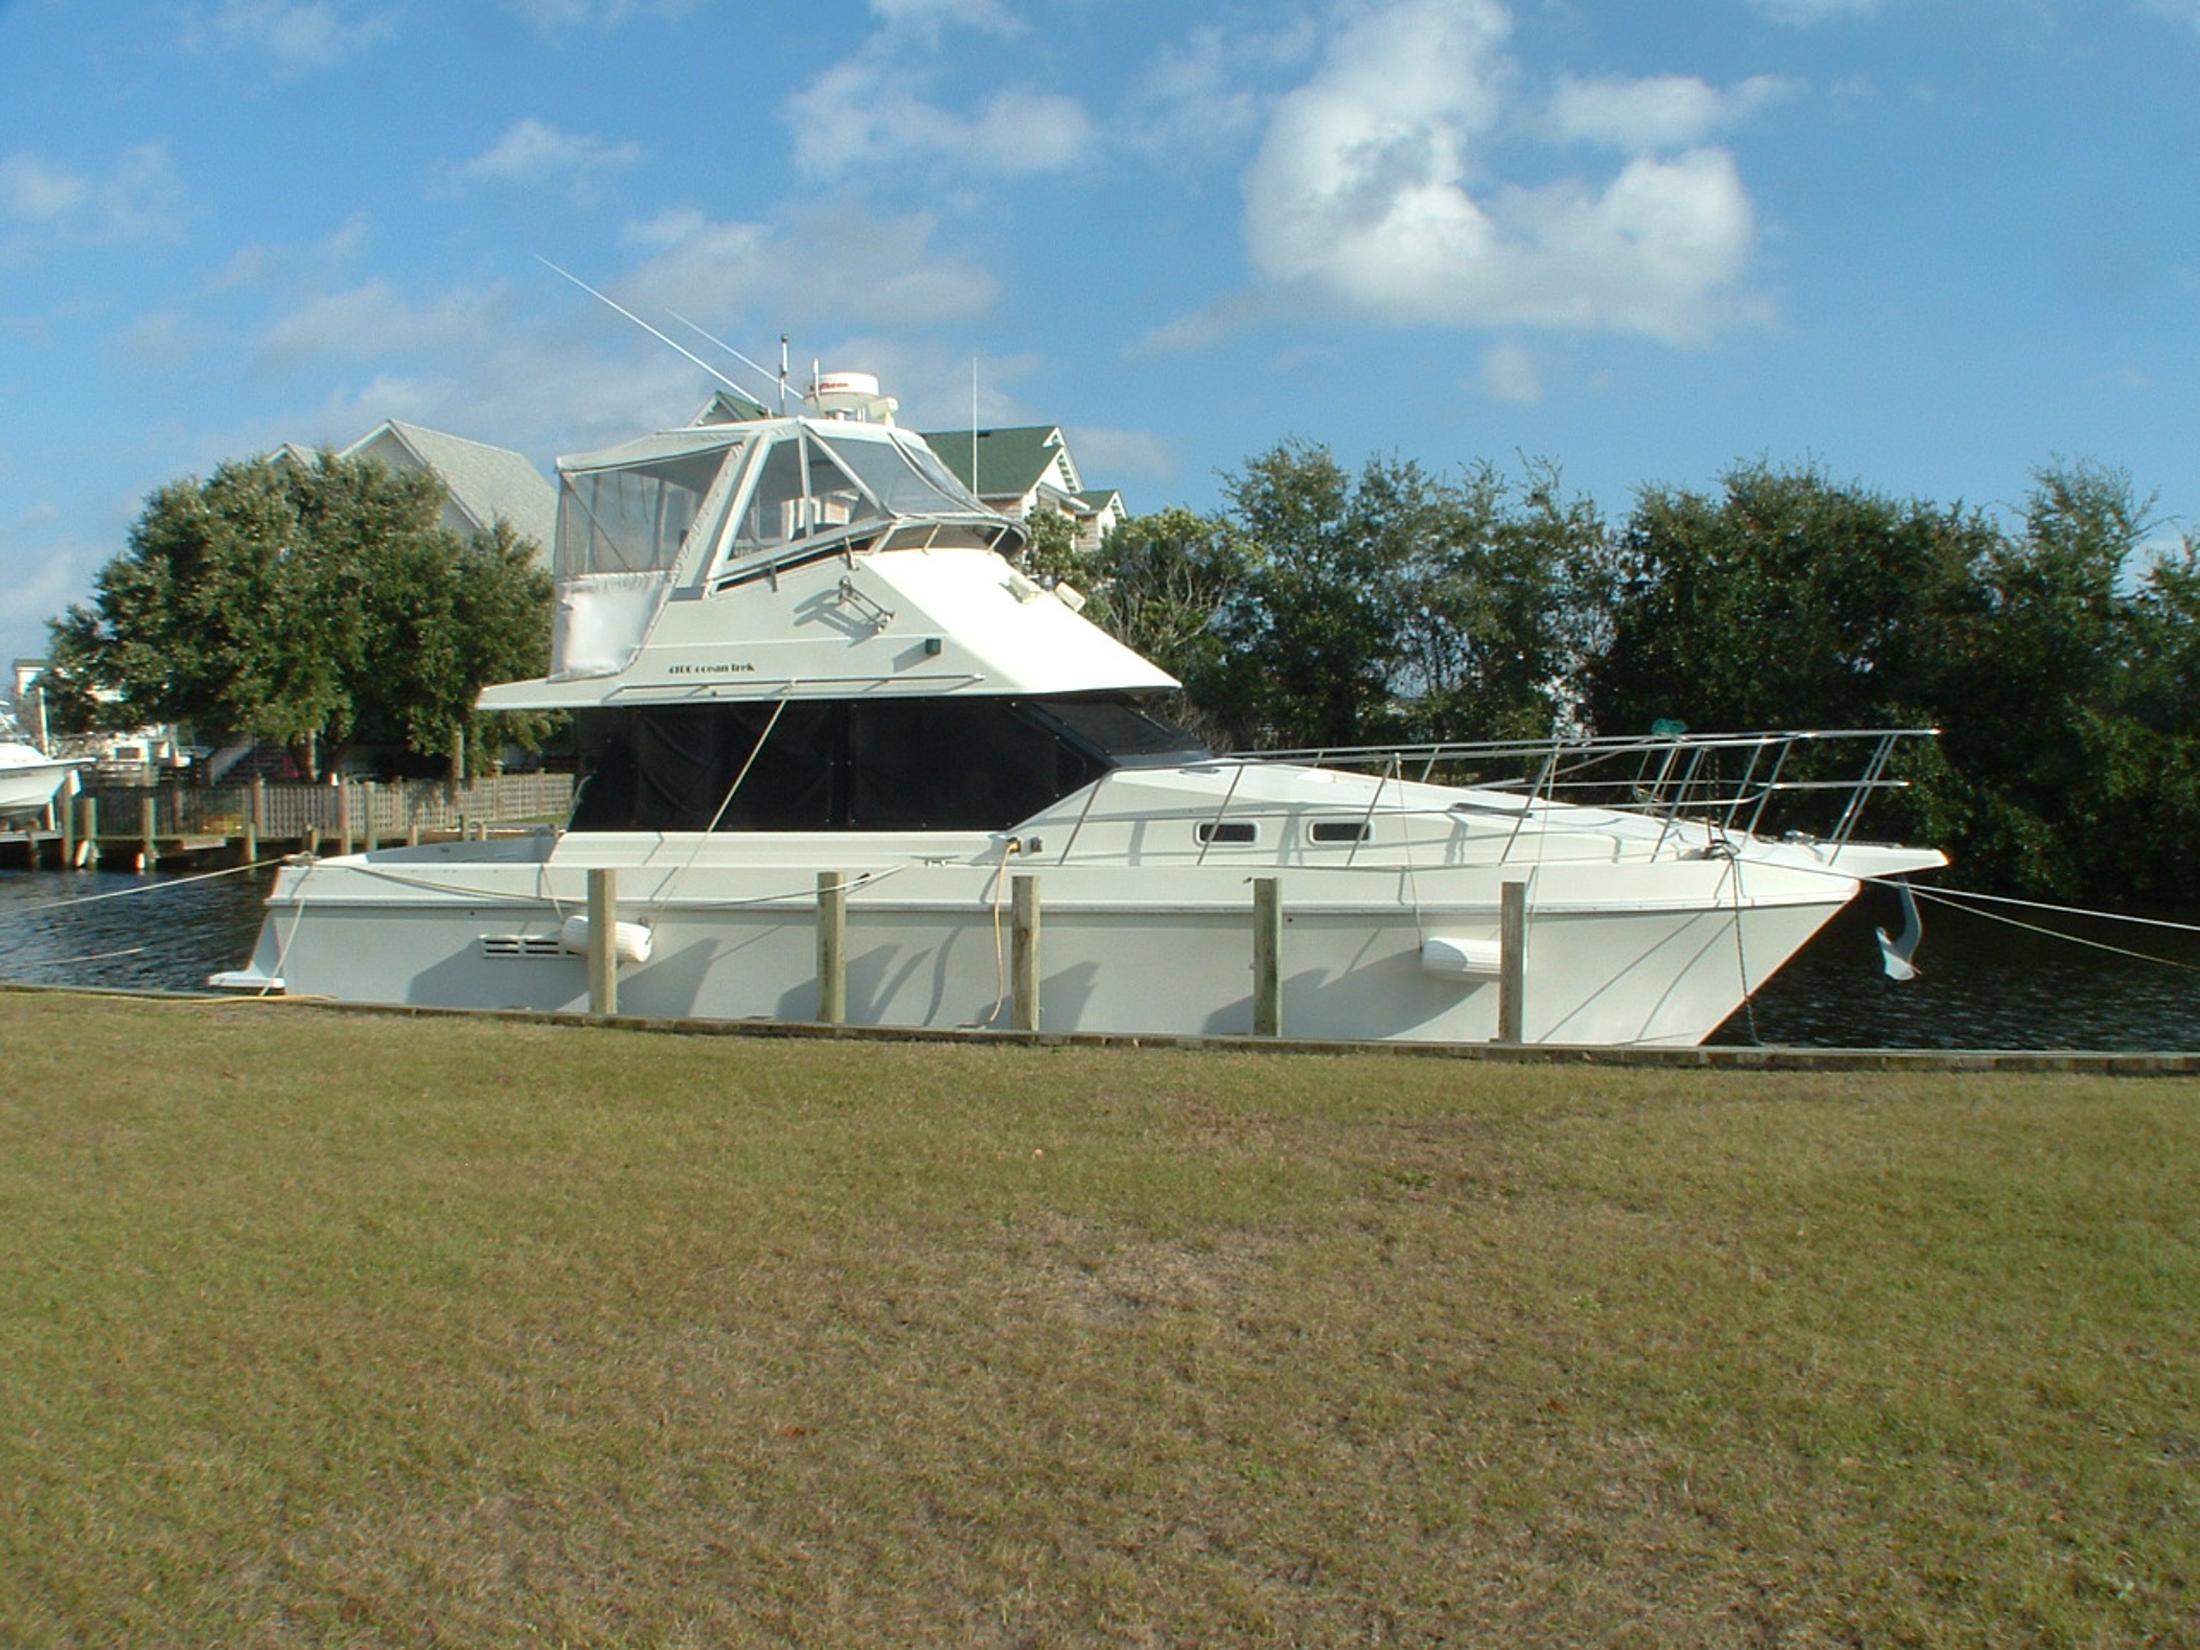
point(644, 325)
point(721, 343)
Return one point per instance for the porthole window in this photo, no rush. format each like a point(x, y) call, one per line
point(1227, 830)
point(1338, 830)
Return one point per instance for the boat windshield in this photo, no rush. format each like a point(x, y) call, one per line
point(634, 517)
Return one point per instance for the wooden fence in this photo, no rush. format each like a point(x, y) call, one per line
point(288, 813)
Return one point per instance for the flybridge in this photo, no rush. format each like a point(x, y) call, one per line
point(824, 555)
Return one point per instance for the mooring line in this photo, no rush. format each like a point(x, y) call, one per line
point(142, 888)
point(2058, 934)
point(1952, 895)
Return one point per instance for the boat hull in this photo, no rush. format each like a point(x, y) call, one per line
point(1633, 954)
point(30, 782)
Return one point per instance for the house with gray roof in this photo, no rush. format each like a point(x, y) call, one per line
point(486, 484)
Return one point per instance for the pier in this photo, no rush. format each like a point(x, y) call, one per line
point(144, 827)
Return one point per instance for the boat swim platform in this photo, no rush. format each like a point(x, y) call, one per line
point(1703, 1057)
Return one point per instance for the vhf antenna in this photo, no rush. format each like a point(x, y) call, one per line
point(730, 350)
point(652, 331)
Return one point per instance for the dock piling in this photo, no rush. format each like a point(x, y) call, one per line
point(1024, 951)
point(1512, 959)
point(603, 942)
point(832, 948)
point(1267, 957)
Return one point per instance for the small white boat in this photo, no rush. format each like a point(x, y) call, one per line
point(797, 646)
point(29, 778)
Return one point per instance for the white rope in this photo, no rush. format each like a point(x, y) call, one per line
point(657, 900)
point(141, 888)
point(1000, 957)
point(2058, 934)
point(1953, 894)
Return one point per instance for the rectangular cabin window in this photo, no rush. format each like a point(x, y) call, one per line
point(977, 763)
point(1338, 830)
point(1227, 830)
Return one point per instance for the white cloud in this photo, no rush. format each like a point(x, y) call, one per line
point(553, 17)
point(297, 34)
point(51, 206)
point(884, 271)
point(35, 191)
point(1507, 373)
point(38, 582)
point(532, 152)
point(1191, 100)
point(161, 341)
point(2177, 11)
point(1365, 198)
point(1804, 13)
point(990, 15)
point(262, 263)
point(1658, 111)
point(865, 113)
point(374, 322)
point(1105, 455)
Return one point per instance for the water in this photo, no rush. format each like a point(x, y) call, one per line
point(166, 933)
point(1982, 984)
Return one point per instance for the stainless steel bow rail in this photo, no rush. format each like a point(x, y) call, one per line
point(1729, 780)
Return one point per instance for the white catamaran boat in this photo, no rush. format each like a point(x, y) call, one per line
point(796, 645)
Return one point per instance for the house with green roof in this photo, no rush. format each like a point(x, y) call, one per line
point(1028, 467)
point(1015, 469)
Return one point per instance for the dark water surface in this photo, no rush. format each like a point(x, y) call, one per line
point(1981, 984)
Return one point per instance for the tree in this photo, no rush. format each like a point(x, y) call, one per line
point(314, 604)
point(1161, 585)
point(1496, 615)
point(2060, 717)
point(1784, 601)
point(1401, 604)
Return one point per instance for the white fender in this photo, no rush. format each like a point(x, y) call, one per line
point(630, 941)
point(1455, 959)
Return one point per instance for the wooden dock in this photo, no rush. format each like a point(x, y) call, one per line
point(141, 828)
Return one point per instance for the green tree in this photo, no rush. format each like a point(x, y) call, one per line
point(315, 604)
point(1496, 615)
point(1398, 603)
point(2059, 717)
point(1161, 584)
point(1785, 600)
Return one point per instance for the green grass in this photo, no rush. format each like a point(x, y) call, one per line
point(342, 1330)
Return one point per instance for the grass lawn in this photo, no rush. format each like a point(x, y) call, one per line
point(330, 1329)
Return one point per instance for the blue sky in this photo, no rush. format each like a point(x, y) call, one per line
point(1925, 244)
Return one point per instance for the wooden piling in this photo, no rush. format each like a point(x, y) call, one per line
point(87, 852)
point(1512, 959)
point(1267, 957)
point(603, 941)
point(149, 826)
point(1024, 951)
point(832, 948)
point(255, 818)
point(343, 815)
point(64, 809)
point(370, 830)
